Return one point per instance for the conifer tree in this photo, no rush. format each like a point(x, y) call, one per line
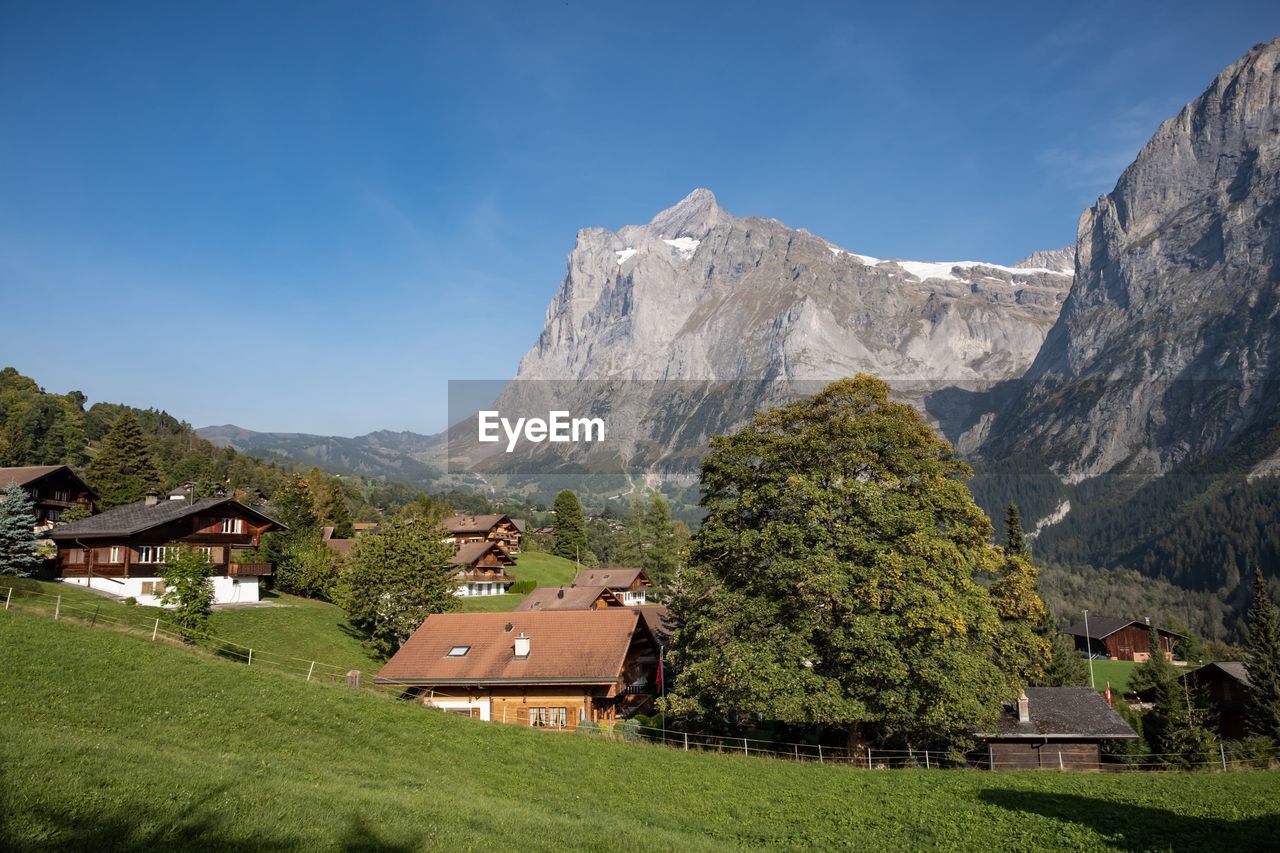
point(1021, 650)
point(123, 471)
point(1262, 657)
point(571, 527)
point(17, 533)
point(1015, 540)
point(1066, 667)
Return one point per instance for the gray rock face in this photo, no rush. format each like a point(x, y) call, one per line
point(700, 294)
point(1168, 347)
point(1063, 259)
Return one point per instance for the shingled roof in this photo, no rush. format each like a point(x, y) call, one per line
point(1059, 713)
point(470, 553)
point(565, 647)
point(1101, 627)
point(137, 517)
point(462, 523)
point(566, 598)
point(614, 577)
point(28, 474)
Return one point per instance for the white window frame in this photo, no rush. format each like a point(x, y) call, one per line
point(152, 555)
point(232, 525)
point(458, 651)
point(114, 555)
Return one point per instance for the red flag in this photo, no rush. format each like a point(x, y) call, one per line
point(1108, 693)
point(659, 680)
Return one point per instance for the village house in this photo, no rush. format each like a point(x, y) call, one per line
point(54, 489)
point(628, 585)
point(463, 529)
point(482, 568)
point(121, 551)
point(1120, 639)
point(1225, 686)
point(569, 598)
point(546, 669)
point(1053, 728)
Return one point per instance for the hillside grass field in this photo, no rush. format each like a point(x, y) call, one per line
point(544, 569)
point(109, 741)
point(1115, 671)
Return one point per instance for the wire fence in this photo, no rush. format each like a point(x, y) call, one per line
point(539, 715)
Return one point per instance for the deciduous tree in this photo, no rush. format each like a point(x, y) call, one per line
point(395, 579)
point(833, 580)
point(188, 588)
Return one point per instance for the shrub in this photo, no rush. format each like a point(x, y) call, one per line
point(588, 727)
point(131, 601)
point(631, 729)
point(523, 587)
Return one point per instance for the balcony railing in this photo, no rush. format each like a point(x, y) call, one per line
point(248, 570)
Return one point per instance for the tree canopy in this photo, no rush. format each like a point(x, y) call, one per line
point(17, 533)
point(833, 580)
point(1262, 657)
point(571, 528)
point(123, 471)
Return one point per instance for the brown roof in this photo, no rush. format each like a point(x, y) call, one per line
point(1101, 627)
point(565, 647)
point(655, 619)
point(342, 546)
point(470, 553)
point(31, 473)
point(567, 598)
point(614, 577)
point(472, 523)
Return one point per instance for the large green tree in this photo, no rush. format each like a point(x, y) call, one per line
point(833, 580)
point(571, 528)
point(17, 533)
point(123, 471)
point(1024, 652)
point(650, 540)
point(1262, 657)
point(396, 578)
point(1015, 541)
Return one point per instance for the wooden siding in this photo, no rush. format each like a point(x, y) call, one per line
point(1053, 755)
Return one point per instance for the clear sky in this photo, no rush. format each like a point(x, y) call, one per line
point(308, 216)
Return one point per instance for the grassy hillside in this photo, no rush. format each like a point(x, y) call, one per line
point(544, 569)
point(297, 628)
point(112, 742)
point(1115, 671)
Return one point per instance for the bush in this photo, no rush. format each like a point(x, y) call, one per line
point(631, 729)
point(523, 587)
point(131, 601)
point(588, 727)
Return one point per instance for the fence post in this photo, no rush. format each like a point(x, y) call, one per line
point(868, 757)
point(926, 759)
point(1222, 752)
point(313, 669)
point(1060, 767)
point(7, 598)
point(155, 631)
point(95, 616)
point(57, 608)
point(819, 753)
point(686, 741)
point(250, 657)
point(796, 747)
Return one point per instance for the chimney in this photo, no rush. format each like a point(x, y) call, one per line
point(522, 646)
point(560, 594)
point(1024, 708)
point(151, 499)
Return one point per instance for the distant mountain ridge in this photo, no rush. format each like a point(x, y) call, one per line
point(399, 456)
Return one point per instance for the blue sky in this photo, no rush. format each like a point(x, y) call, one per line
point(309, 216)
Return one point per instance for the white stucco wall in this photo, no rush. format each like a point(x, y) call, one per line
point(226, 590)
point(460, 705)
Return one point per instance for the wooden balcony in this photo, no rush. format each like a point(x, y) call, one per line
point(248, 570)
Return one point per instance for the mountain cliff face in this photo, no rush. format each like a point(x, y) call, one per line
point(1168, 347)
point(700, 294)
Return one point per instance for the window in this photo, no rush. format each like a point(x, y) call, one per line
point(153, 587)
point(115, 556)
point(232, 525)
point(458, 651)
point(151, 553)
point(61, 495)
point(548, 718)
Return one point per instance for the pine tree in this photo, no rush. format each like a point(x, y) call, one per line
point(1262, 657)
point(571, 527)
point(1066, 667)
point(1020, 649)
point(1015, 540)
point(331, 506)
point(123, 471)
point(17, 533)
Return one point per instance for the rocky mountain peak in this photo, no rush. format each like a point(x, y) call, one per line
point(693, 216)
point(1063, 260)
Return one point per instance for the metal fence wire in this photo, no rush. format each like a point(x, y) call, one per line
point(138, 622)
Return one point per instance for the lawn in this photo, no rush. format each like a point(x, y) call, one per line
point(1115, 671)
point(108, 741)
point(489, 603)
point(299, 629)
point(544, 569)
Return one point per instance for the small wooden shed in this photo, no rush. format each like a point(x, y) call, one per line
point(1053, 728)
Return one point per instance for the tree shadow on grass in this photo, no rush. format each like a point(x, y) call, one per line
point(1130, 827)
point(138, 828)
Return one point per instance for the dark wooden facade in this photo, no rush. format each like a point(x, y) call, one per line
point(1121, 639)
point(1046, 755)
point(467, 529)
point(220, 533)
point(54, 489)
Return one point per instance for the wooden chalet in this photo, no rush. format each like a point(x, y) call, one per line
point(629, 585)
point(1120, 639)
point(54, 489)
point(464, 529)
point(546, 669)
point(1224, 686)
point(482, 568)
point(1053, 728)
point(569, 598)
point(120, 551)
